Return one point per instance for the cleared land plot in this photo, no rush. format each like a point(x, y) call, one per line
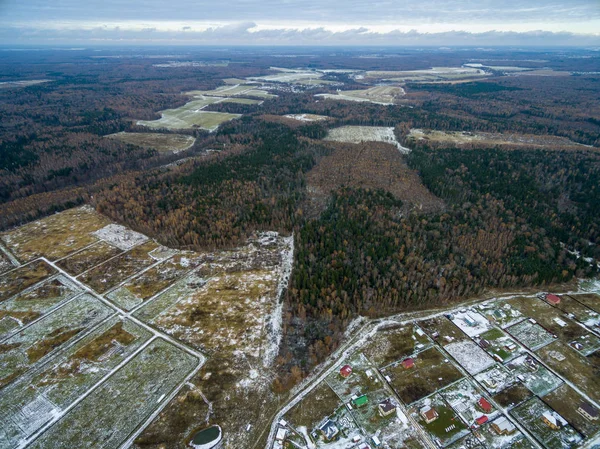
point(428, 75)
point(315, 406)
point(499, 345)
point(152, 281)
point(242, 101)
point(442, 330)
point(359, 134)
point(395, 344)
point(223, 91)
point(470, 322)
point(288, 76)
point(25, 83)
point(109, 274)
point(530, 414)
point(495, 378)
point(592, 300)
point(492, 440)
point(448, 427)
point(32, 304)
point(55, 236)
point(566, 401)
point(23, 277)
point(135, 391)
point(163, 143)
point(384, 95)
point(486, 140)
point(534, 376)
point(470, 356)
point(371, 165)
point(530, 335)
point(463, 397)
point(88, 258)
point(468, 441)
point(40, 396)
point(430, 373)
point(513, 396)
point(307, 117)
point(259, 94)
point(46, 336)
point(362, 380)
point(191, 115)
point(503, 314)
point(578, 310)
point(120, 236)
point(580, 370)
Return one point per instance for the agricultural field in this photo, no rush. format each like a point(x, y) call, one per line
point(395, 344)
point(153, 280)
point(487, 140)
point(447, 427)
point(384, 95)
point(530, 415)
point(307, 117)
point(470, 356)
point(430, 373)
point(435, 74)
point(31, 304)
point(45, 337)
point(55, 236)
point(139, 385)
point(566, 401)
point(163, 143)
point(358, 134)
point(580, 370)
point(190, 116)
point(42, 395)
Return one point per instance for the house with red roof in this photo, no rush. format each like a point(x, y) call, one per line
point(346, 371)
point(485, 405)
point(481, 420)
point(408, 363)
point(552, 299)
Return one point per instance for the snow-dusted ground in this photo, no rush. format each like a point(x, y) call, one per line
point(359, 134)
point(120, 236)
point(479, 324)
point(470, 356)
point(307, 117)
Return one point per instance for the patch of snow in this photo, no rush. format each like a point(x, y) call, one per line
point(470, 356)
point(120, 236)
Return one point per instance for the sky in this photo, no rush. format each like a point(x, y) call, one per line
point(301, 22)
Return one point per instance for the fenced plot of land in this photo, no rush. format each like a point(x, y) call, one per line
point(159, 142)
point(580, 370)
point(23, 277)
point(499, 345)
point(535, 376)
point(358, 383)
point(134, 391)
point(54, 386)
point(447, 427)
point(463, 397)
point(430, 373)
point(578, 310)
point(504, 314)
point(530, 415)
point(470, 322)
point(55, 236)
point(495, 379)
point(46, 336)
point(358, 134)
point(120, 236)
point(470, 356)
point(152, 281)
point(566, 401)
point(314, 407)
point(513, 396)
point(442, 330)
point(109, 274)
point(492, 440)
point(531, 335)
point(88, 258)
point(592, 300)
point(33, 303)
point(395, 344)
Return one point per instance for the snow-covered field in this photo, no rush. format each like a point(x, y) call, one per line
point(120, 236)
point(359, 134)
point(470, 356)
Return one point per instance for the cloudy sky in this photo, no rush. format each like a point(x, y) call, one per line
point(301, 22)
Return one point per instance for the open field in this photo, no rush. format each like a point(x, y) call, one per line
point(430, 373)
point(46, 336)
point(88, 258)
point(222, 91)
point(190, 116)
point(358, 134)
point(257, 93)
point(487, 140)
point(152, 281)
point(529, 415)
point(160, 142)
point(114, 271)
point(428, 75)
point(21, 278)
point(395, 344)
point(566, 401)
point(320, 402)
point(5, 263)
point(592, 300)
point(582, 371)
point(49, 390)
point(288, 76)
point(33, 303)
point(55, 236)
point(307, 117)
point(384, 95)
point(241, 100)
point(25, 83)
point(135, 389)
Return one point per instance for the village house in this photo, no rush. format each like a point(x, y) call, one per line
point(503, 426)
point(408, 363)
point(588, 411)
point(550, 421)
point(552, 299)
point(481, 420)
point(485, 405)
point(345, 371)
point(386, 407)
point(429, 414)
point(329, 430)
